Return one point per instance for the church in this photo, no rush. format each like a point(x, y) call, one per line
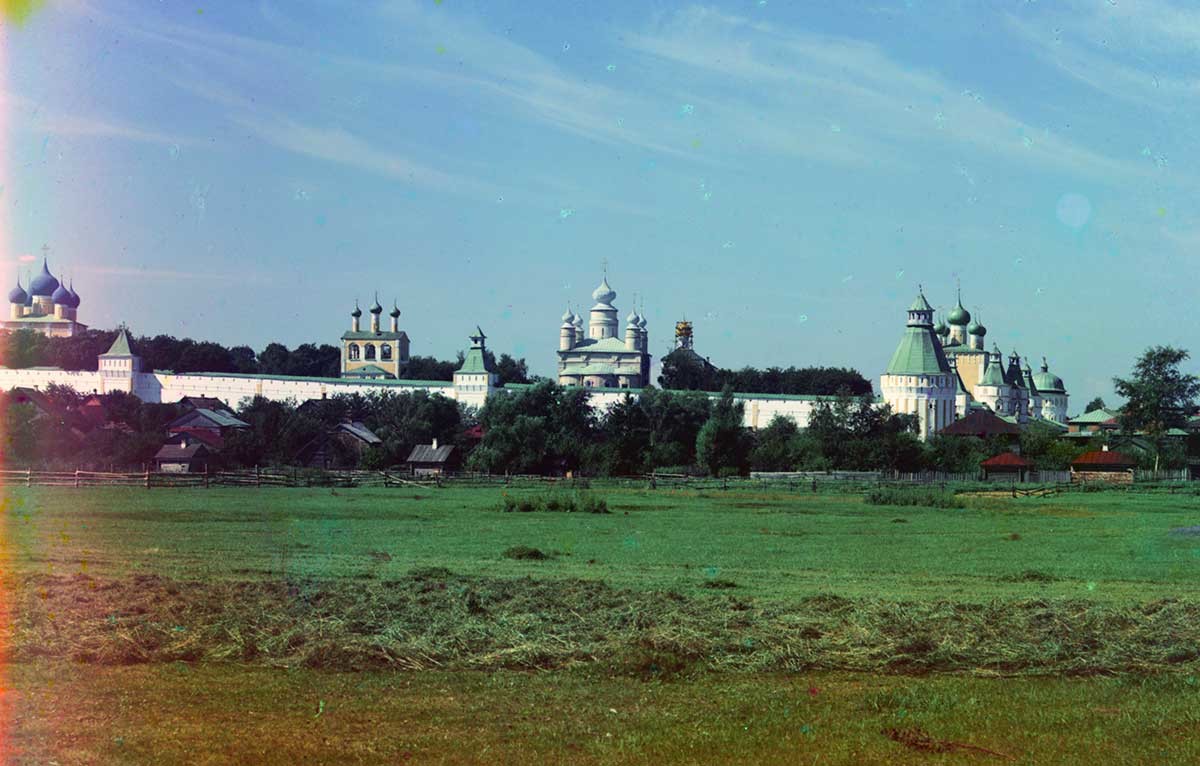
point(375, 353)
point(941, 373)
point(599, 358)
point(49, 307)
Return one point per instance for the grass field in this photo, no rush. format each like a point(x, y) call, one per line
point(722, 627)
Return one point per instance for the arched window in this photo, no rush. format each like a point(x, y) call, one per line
point(370, 353)
point(354, 352)
point(385, 352)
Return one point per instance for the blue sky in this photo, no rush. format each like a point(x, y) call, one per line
point(782, 174)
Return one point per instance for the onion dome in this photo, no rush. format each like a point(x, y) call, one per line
point(357, 311)
point(977, 328)
point(604, 293)
point(18, 294)
point(1048, 381)
point(942, 329)
point(376, 308)
point(641, 321)
point(632, 319)
point(568, 318)
point(395, 312)
point(74, 295)
point(959, 316)
point(61, 296)
point(43, 284)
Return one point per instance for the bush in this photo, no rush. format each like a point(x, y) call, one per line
point(525, 553)
point(920, 496)
point(554, 502)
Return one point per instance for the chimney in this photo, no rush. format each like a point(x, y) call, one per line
point(435, 442)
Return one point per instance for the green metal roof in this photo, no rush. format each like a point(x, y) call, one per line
point(1102, 415)
point(602, 346)
point(710, 394)
point(474, 363)
point(920, 304)
point(367, 370)
point(993, 375)
point(120, 346)
point(310, 379)
point(592, 368)
point(919, 353)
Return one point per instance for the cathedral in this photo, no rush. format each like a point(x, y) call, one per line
point(599, 358)
point(940, 373)
point(49, 307)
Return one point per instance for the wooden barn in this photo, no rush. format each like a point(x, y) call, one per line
point(183, 454)
point(1103, 465)
point(339, 447)
point(432, 460)
point(1007, 466)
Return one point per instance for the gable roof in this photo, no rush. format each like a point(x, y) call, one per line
point(1104, 460)
point(205, 403)
point(176, 451)
point(358, 430)
point(202, 418)
point(981, 423)
point(1102, 415)
point(1006, 460)
point(426, 453)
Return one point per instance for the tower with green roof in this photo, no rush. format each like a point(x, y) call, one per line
point(119, 366)
point(476, 379)
point(918, 380)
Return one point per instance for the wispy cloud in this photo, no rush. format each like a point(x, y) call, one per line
point(36, 118)
point(815, 86)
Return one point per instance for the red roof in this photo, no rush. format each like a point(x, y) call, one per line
point(1104, 459)
point(981, 423)
point(1006, 460)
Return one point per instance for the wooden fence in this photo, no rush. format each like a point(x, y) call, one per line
point(846, 481)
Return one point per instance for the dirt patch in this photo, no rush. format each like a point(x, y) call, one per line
point(916, 738)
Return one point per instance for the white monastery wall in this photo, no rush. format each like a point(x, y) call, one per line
point(232, 389)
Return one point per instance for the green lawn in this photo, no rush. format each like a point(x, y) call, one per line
point(261, 592)
point(1102, 546)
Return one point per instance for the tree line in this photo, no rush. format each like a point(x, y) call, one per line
point(685, 370)
point(28, 348)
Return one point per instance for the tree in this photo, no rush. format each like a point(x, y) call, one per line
point(1159, 396)
point(626, 432)
point(723, 446)
point(510, 370)
point(1093, 405)
point(776, 446)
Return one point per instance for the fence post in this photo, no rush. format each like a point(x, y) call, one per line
point(28, 477)
point(206, 475)
point(147, 479)
point(76, 478)
point(257, 477)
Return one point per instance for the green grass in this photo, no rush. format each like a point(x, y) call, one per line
point(151, 626)
point(219, 714)
point(1111, 547)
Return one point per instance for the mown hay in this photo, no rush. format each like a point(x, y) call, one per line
point(434, 619)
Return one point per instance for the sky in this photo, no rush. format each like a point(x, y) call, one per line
point(783, 174)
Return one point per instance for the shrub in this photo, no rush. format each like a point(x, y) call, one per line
point(919, 496)
point(593, 504)
point(525, 553)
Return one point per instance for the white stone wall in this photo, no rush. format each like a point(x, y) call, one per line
point(472, 390)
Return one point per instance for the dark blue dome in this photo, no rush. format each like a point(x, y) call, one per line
point(74, 295)
point(44, 283)
point(18, 294)
point(61, 295)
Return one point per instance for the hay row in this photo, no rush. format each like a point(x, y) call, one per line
point(434, 619)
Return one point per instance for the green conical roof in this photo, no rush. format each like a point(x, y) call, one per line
point(920, 304)
point(994, 374)
point(919, 353)
point(120, 346)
